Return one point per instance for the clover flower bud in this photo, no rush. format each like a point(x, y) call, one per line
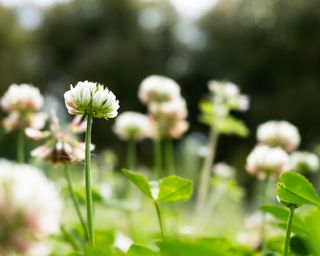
point(133, 126)
point(90, 98)
point(265, 161)
point(279, 133)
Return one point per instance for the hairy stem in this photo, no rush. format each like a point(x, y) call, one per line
point(288, 232)
point(75, 201)
point(88, 182)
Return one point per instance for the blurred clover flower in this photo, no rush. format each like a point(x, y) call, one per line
point(91, 98)
point(133, 126)
point(264, 161)
point(61, 146)
point(304, 161)
point(30, 209)
point(22, 102)
point(158, 89)
point(170, 117)
point(279, 133)
point(223, 170)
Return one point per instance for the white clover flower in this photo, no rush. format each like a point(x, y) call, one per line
point(264, 160)
point(279, 133)
point(122, 242)
point(133, 126)
point(90, 98)
point(30, 207)
point(223, 170)
point(304, 161)
point(158, 89)
point(22, 98)
point(176, 108)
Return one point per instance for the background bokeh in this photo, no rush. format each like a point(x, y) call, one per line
point(271, 48)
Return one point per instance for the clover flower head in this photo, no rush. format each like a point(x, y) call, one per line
point(133, 126)
point(93, 99)
point(30, 208)
point(223, 170)
point(227, 96)
point(279, 133)
point(265, 161)
point(304, 161)
point(22, 98)
point(61, 145)
point(158, 89)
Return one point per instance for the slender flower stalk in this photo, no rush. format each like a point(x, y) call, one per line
point(263, 197)
point(169, 157)
point(158, 158)
point(288, 232)
point(131, 154)
point(20, 146)
point(159, 219)
point(74, 200)
point(89, 182)
point(204, 182)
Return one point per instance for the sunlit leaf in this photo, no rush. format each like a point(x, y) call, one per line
point(139, 180)
point(139, 250)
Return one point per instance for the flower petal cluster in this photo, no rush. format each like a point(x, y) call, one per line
point(304, 161)
point(266, 161)
point(157, 89)
point(30, 208)
point(61, 146)
point(93, 99)
point(22, 103)
point(279, 133)
point(133, 126)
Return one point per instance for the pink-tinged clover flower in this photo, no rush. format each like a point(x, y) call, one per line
point(93, 99)
point(61, 146)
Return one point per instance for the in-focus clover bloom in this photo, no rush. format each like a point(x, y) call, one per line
point(158, 89)
point(22, 102)
point(266, 161)
point(93, 99)
point(30, 208)
point(279, 134)
point(304, 161)
point(133, 126)
point(61, 146)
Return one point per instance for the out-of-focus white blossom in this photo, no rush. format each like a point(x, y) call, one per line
point(30, 208)
point(61, 146)
point(227, 97)
point(91, 98)
point(279, 133)
point(223, 170)
point(133, 126)
point(158, 89)
point(264, 161)
point(304, 161)
point(22, 98)
point(122, 242)
point(21, 103)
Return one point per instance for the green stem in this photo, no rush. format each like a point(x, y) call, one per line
point(158, 158)
point(88, 182)
point(72, 241)
point(159, 218)
point(74, 200)
point(20, 146)
point(169, 154)
point(263, 194)
point(131, 155)
point(288, 233)
point(204, 182)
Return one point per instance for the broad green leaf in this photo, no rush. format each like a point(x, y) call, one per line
point(139, 250)
point(312, 220)
point(232, 126)
point(140, 181)
point(174, 189)
point(294, 189)
point(282, 214)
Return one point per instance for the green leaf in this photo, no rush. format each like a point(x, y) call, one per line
point(174, 189)
point(282, 214)
point(140, 181)
point(232, 126)
point(294, 189)
point(299, 246)
point(139, 250)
